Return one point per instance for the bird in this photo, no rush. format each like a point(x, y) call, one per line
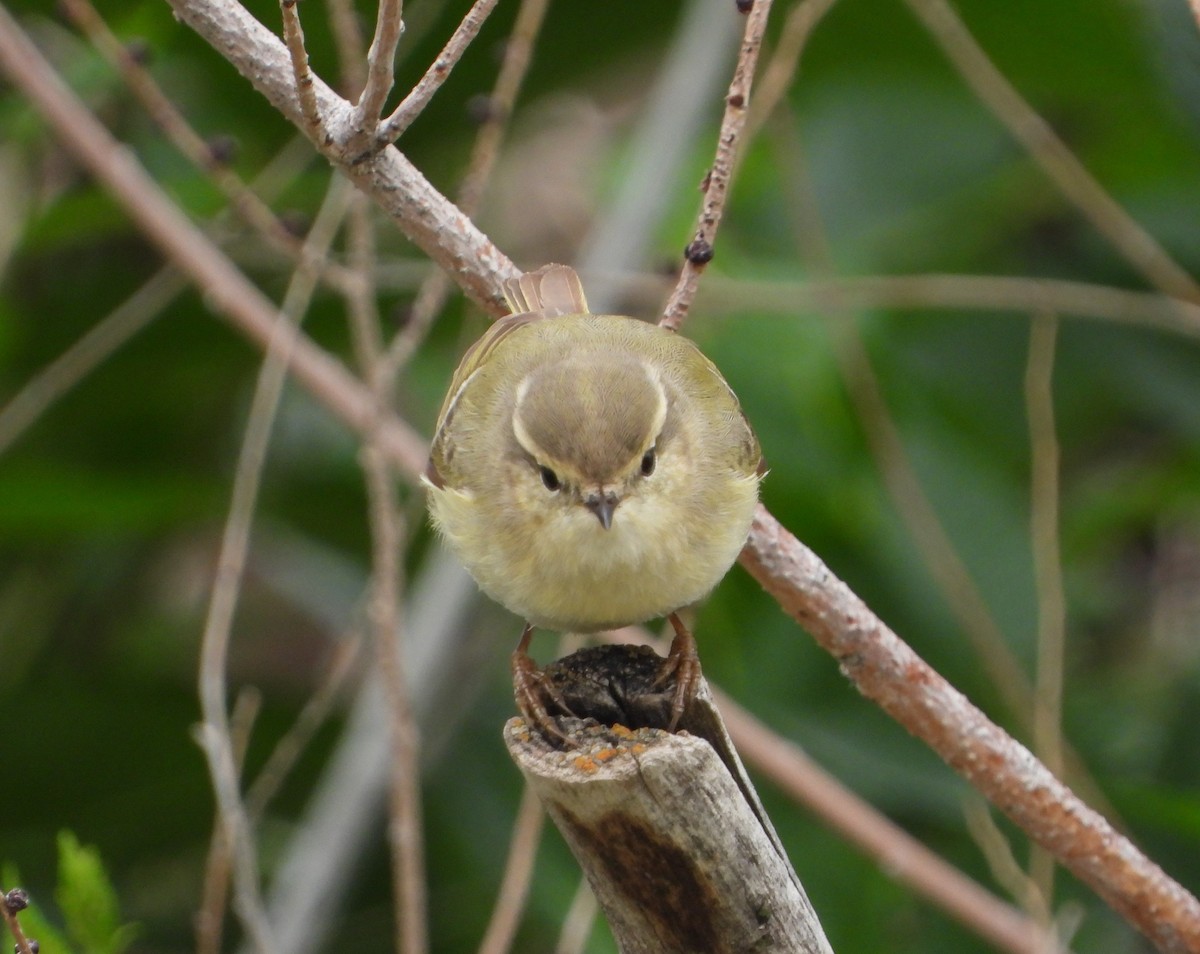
point(591, 472)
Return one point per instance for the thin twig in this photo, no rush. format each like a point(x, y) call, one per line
point(873, 656)
point(1002, 863)
point(699, 251)
point(387, 536)
point(1047, 566)
point(246, 203)
point(415, 102)
point(984, 292)
point(1048, 150)
point(216, 737)
point(315, 712)
point(579, 922)
point(293, 35)
point(381, 68)
point(434, 290)
point(209, 922)
point(518, 875)
point(79, 360)
point(780, 70)
point(346, 29)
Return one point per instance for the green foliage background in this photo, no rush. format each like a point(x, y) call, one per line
point(111, 505)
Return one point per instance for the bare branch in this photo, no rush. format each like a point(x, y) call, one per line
point(887, 671)
point(435, 289)
point(215, 735)
point(673, 850)
point(425, 217)
point(1047, 564)
point(1061, 165)
point(293, 35)
point(699, 251)
point(412, 105)
point(381, 69)
point(89, 352)
point(387, 542)
point(899, 854)
point(781, 68)
point(518, 874)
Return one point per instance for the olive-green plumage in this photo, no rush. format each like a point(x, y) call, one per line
point(591, 471)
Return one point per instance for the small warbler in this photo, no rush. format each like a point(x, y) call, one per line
point(591, 472)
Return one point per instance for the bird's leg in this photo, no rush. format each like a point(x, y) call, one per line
point(533, 691)
point(682, 664)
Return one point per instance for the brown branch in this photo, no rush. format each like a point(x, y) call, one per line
point(439, 71)
point(387, 543)
point(781, 68)
point(246, 203)
point(888, 672)
point(435, 289)
point(518, 874)
point(381, 74)
point(425, 216)
point(896, 852)
point(1047, 564)
point(1048, 150)
point(293, 36)
point(699, 251)
point(12, 903)
point(925, 291)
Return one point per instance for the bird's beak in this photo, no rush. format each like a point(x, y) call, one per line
point(602, 505)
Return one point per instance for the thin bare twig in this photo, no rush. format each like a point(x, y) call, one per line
point(12, 902)
point(347, 34)
point(780, 70)
point(88, 353)
point(381, 68)
point(518, 875)
point(1046, 148)
point(1047, 566)
point(246, 203)
point(1002, 863)
point(434, 290)
point(579, 922)
point(387, 538)
point(216, 736)
point(293, 35)
point(316, 710)
point(699, 251)
point(412, 105)
point(209, 922)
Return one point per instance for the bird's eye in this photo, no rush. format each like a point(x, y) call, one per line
point(648, 461)
point(549, 478)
